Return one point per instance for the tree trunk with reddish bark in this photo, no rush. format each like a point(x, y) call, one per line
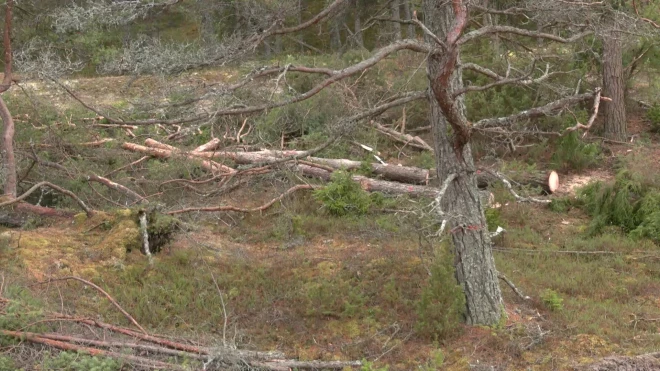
point(7, 144)
point(461, 204)
point(614, 88)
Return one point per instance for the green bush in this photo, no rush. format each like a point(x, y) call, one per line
point(574, 154)
point(442, 302)
point(628, 203)
point(552, 300)
point(342, 196)
point(653, 115)
point(7, 364)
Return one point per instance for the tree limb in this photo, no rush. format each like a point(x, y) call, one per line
point(534, 112)
point(35, 187)
point(519, 31)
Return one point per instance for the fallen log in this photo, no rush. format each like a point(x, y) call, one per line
point(211, 166)
point(373, 185)
point(35, 338)
point(548, 182)
point(404, 174)
point(209, 146)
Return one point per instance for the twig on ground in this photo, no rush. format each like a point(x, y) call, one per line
point(97, 288)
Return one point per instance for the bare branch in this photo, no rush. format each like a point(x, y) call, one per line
point(522, 80)
point(597, 99)
point(335, 76)
point(117, 187)
point(244, 210)
point(519, 31)
point(37, 186)
point(649, 21)
point(534, 112)
point(508, 186)
point(329, 10)
point(110, 298)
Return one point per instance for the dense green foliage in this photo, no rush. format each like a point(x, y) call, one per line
point(653, 115)
point(342, 196)
point(627, 203)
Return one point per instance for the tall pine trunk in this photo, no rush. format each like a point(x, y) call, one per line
point(407, 12)
point(357, 24)
point(614, 88)
point(464, 212)
point(396, 17)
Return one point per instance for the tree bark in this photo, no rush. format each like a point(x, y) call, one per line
point(8, 158)
point(462, 206)
point(407, 12)
point(614, 88)
point(357, 24)
point(396, 16)
point(7, 145)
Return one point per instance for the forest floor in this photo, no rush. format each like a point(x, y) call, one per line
point(317, 287)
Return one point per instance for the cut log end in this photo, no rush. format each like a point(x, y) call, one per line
point(553, 181)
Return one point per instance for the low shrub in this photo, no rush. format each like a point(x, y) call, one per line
point(653, 115)
point(342, 196)
point(628, 203)
point(442, 302)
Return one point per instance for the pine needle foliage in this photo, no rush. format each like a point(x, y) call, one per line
point(628, 203)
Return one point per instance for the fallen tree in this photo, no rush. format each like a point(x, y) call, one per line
point(397, 179)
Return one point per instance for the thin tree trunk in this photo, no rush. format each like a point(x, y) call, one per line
point(407, 12)
point(396, 16)
point(357, 24)
point(335, 35)
point(461, 204)
point(8, 159)
point(614, 88)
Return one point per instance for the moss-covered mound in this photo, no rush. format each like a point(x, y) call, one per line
point(89, 243)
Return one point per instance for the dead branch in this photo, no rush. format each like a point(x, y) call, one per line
point(324, 14)
point(407, 139)
point(508, 185)
point(211, 166)
point(37, 186)
point(569, 252)
point(513, 287)
point(133, 127)
point(244, 210)
point(578, 125)
point(306, 365)
point(117, 187)
point(97, 288)
point(534, 112)
point(483, 31)
point(649, 21)
point(132, 333)
point(35, 338)
point(336, 75)
point(117, 344)
point(136, 162)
